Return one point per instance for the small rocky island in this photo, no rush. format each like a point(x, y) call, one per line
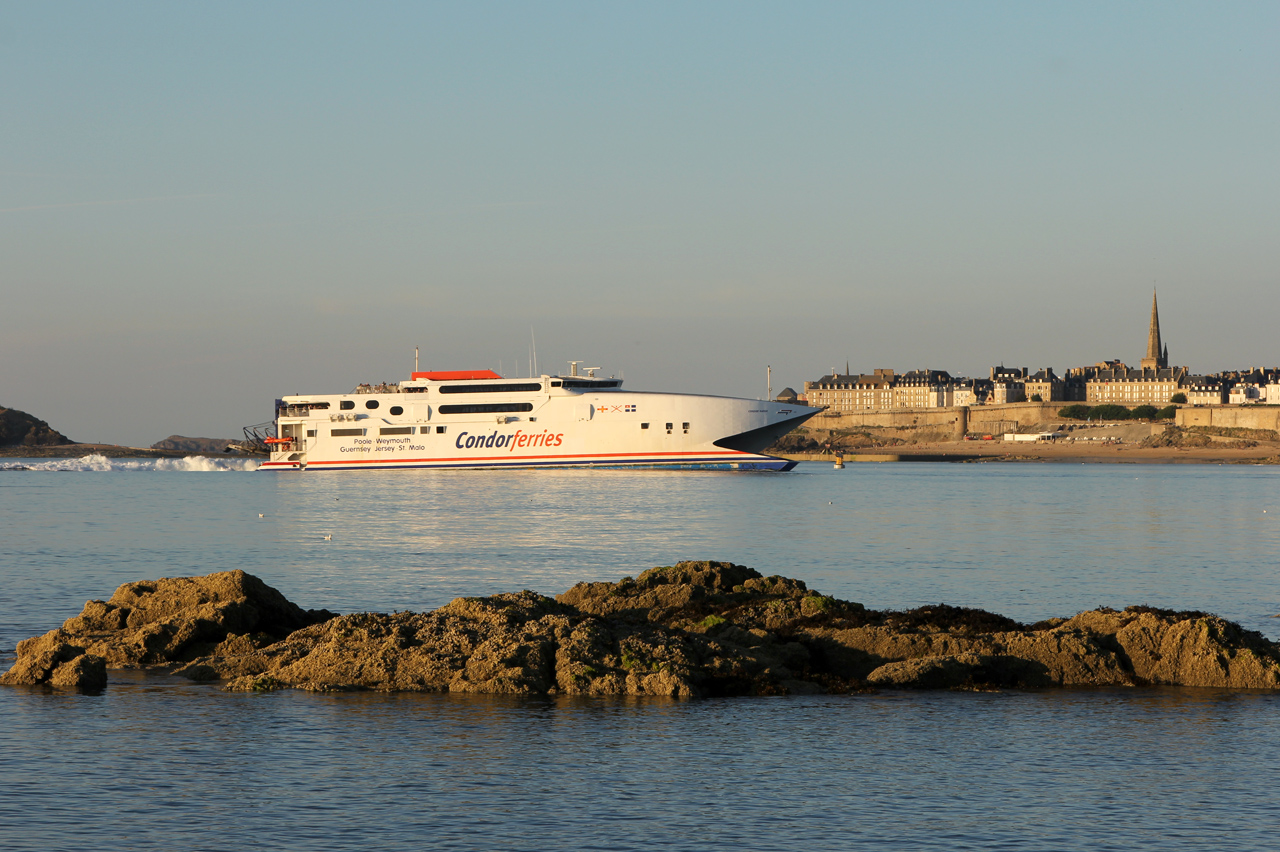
point(695, 629)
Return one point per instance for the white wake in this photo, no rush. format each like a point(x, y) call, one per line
point(101, 464)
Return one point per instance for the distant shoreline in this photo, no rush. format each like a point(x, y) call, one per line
point(999, 451)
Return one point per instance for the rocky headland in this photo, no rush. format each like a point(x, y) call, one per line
point(695, 629)
point(184, 444)
point(20, 429)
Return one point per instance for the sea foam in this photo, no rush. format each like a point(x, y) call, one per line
point(96, 463)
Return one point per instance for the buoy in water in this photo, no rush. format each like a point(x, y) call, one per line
point(839, 462)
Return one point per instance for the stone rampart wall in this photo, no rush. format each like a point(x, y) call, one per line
point(997, 419)
point(987, 419)
point(1231, 416)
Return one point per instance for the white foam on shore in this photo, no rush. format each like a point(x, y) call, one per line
point(101, 464)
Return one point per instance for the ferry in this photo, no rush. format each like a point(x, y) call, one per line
point(478, 419)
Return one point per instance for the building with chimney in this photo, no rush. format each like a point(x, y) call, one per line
point(1044, 386)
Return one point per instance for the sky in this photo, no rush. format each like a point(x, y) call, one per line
point(206, 206)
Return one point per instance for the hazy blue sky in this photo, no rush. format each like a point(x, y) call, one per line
point(205, 206)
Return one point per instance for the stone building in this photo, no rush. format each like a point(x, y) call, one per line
point(880, 390)
point(1008, 384)
point(845, 392)
point(1124, 386)
point(1252, 387)
point(1045, 385)
point(922, 389)
point(1204, 390)
point(966, 392)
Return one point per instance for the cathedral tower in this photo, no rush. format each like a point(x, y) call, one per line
point(1157, 356)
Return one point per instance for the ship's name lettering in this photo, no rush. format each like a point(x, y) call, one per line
point(499, 441)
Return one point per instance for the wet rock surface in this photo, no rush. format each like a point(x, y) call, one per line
point(690, 630)
point(158, 623)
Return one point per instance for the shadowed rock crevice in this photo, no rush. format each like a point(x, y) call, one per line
point(689, 630)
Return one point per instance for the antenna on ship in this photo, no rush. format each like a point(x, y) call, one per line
point(533, 352)
point(769, 382)
point(415, 359)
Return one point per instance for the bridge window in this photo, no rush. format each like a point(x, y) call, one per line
point(396, 430)
point(506, 387)
point(591, 383)
point(396, 411)
point(486, 408)
point(371, 404)
point(345, 433)
point(347, 404)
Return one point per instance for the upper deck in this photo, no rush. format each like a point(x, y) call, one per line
point(454, 387)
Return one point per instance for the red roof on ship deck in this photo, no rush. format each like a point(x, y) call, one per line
point(450, 375)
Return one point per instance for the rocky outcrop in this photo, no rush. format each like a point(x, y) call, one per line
point(181, 443)
point(689, 630)
point(19, 429)
point(159, 623)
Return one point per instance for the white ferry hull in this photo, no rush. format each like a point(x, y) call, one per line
point(608, 428)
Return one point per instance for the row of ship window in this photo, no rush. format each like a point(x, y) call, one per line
point(385, 430)
point(426, 430)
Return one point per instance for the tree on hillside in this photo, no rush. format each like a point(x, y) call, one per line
point(1179, 398)
point(1109, 411)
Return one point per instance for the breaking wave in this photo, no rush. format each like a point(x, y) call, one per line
point(101, 464)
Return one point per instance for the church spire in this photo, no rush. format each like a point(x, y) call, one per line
point(1155, 357)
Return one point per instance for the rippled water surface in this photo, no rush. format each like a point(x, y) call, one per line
point(155, 763)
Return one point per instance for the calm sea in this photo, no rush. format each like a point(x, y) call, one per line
point(157, 763)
